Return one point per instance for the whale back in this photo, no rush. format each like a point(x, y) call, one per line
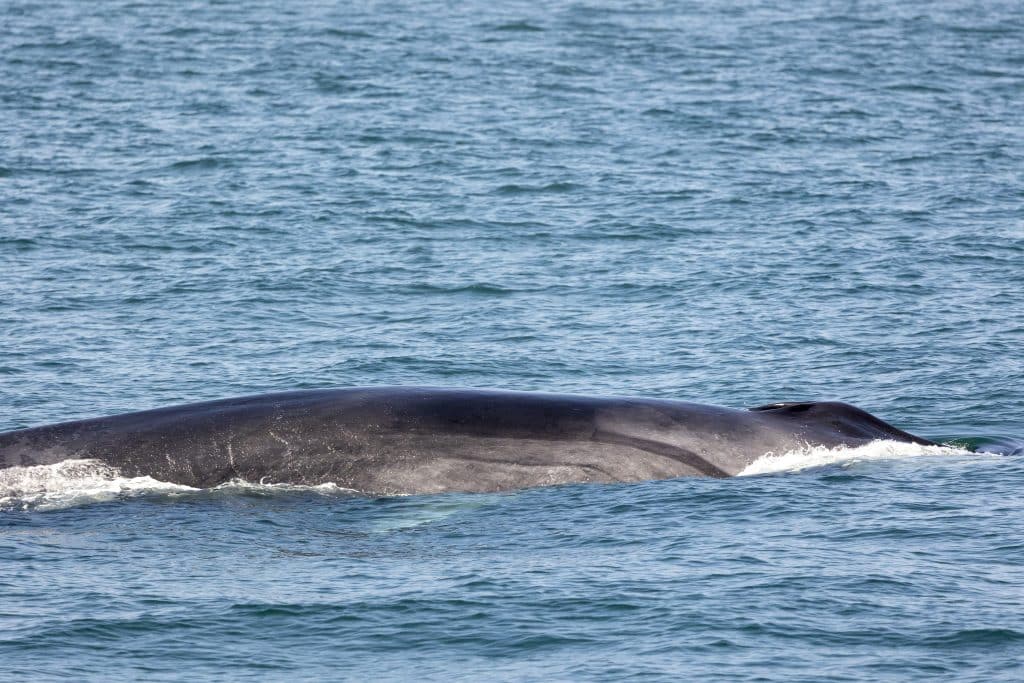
point(427, 439)
point(822, 420)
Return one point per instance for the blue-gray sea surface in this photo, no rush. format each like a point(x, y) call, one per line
point(725, 202)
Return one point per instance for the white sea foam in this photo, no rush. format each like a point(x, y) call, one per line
point(242, 485)
point(819, 456)
point(79, 482)
point(73, 482)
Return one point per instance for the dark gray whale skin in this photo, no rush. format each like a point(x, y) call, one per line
point(410, 440)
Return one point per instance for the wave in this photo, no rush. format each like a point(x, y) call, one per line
point(73, 482)
point(80, 482)
point(821, 456)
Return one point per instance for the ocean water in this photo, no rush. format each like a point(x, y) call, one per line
point(725, 202)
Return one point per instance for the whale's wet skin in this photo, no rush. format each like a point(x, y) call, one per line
point(407, 440)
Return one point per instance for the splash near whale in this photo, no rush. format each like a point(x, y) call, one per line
point(412, 440)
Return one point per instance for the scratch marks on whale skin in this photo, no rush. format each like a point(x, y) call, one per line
point(287, 444)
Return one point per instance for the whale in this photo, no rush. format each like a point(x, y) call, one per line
point(425, 440)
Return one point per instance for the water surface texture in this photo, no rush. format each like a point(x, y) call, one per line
point(733, 203)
